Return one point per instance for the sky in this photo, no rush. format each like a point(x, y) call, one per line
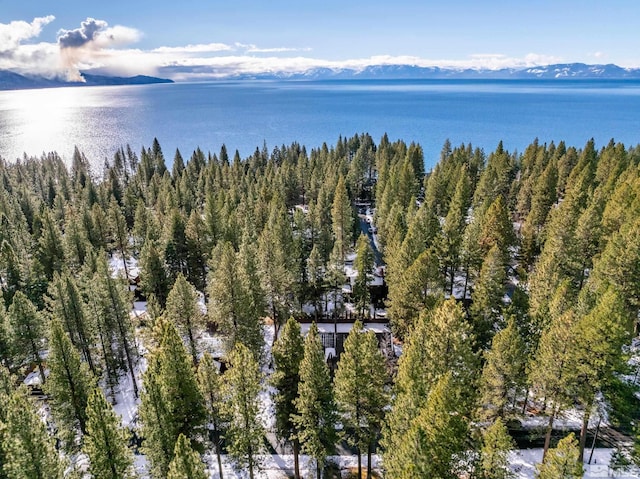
point(195, 40)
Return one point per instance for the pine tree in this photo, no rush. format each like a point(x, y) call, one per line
point(5, 338)
point(114, 303)
point(550, 373)
point(183, 310)
point(119, 233)
point(441, 342)
point(363, 264)
point(275, 253)
point(562, 461)
point(360, 391)
point(336, 277)
point(105, 441)
point(342, 217)
point(186, 463)
point(76, 242)
point(230, 306)
point(597, 357)
point(435, 438)
point(140, 225)
point(497, 230)
point(503, 374)
point(155, 418)
point(453, 227)
point(6, 389)
point(68, 386)
point(543, 197)
point(99, 235)
point(172, 402)
point(110, 355)
point(198, 250)
point(315, 416)
point(487, 297)
point(65, 302)
point(287, 356)
point(558, 259)
point(245, 432)
point(154, 278)
point(28, 328)
point(323, 221)
point(618, 265)
point(29, 451)
point(50, 252)
point(416, 288)
point(175, 250)
point(213, 227)
point(315, 269)
point(12, 271)
point(210, 385)
point(181, 391)
point(496, 444)
point(472, 254)
point(495, 179)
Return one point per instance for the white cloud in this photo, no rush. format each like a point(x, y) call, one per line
point(14, 33)
point(254, 49)
point(117, 36)
point(193, 68)
point(200, 48)
point(190, 64)
point(19, 54)
point(97, 46)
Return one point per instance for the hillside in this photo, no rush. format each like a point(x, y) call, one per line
point(14, 81)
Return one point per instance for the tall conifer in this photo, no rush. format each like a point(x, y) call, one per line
point(28, 328)
point(496, 444)
point(504, 372)
point(360, 391)
point(183, 310)
point(186, 463)
point(315, 405)
point(106, 441)
point(210, 384)
point(287, 356)
point(562, 461)
point(342, 217)
point(245, 432)
point(435, 438)
point(29, 451)
point(68, 386)
point(172, 402)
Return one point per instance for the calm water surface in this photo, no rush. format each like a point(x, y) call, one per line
point(243, 115)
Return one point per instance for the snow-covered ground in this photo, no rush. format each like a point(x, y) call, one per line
point(523, 465)
point(267, 410)
point(126, 404)
point(570, 420)
point(281, 466)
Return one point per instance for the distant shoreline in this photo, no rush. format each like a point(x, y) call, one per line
point(558, 73)
point(10, 81)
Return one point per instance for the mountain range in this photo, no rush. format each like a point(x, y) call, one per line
point(566, 71)
point(14, 81)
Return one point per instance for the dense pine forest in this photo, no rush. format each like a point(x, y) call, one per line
point(164, 321)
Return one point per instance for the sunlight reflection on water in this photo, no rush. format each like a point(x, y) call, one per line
point(37, 121)
point(243, 115)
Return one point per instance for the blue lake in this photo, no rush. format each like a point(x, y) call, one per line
point(244, 115)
